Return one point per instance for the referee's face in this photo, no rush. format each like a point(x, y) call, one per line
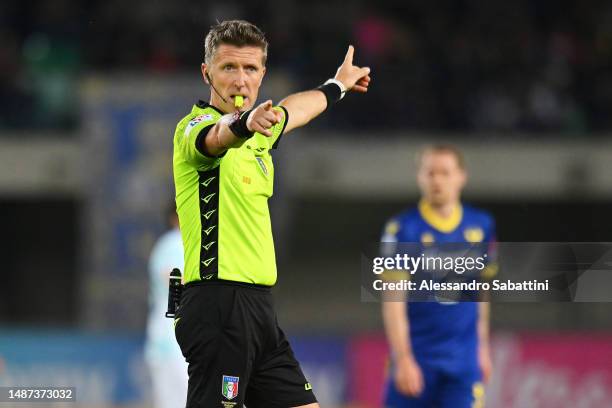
point(235, 71)
point(441, 178)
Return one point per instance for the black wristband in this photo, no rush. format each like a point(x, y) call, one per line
point(332, 93)
point(239, 125)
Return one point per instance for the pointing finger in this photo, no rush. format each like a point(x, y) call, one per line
point(349, 54)
point(267, 105)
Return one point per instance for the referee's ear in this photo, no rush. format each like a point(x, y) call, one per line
point(204, 73)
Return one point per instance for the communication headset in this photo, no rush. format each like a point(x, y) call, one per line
point(213, 87)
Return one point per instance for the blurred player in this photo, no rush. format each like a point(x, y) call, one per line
point(440, 351)
point(166, 363)
point(223, 172)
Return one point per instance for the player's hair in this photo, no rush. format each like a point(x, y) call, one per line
point(443, 148)
point(234, 32)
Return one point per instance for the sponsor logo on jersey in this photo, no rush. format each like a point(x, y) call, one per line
point(207, 181)
point(208, 261)
point(229, 387)
point(207, 246)
point(208, 197)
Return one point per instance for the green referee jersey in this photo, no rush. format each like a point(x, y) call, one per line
point(222, 202)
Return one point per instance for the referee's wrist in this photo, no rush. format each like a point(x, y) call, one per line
point(340, 85)
point(333, 90)
point(239, 127)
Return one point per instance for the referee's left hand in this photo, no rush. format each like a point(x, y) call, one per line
point(353, 77)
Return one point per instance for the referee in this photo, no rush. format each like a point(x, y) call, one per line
point(226, 324)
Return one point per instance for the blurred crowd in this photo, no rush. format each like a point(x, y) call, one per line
point(457, 65)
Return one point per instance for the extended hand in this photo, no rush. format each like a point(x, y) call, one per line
point(408, 377)
point(262, 118)
point(353, 77)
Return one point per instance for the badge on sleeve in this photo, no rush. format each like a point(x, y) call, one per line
point(473, 235)
point(195, 121)
point(392, 228)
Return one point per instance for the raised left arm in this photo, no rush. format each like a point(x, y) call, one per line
point(303, 107)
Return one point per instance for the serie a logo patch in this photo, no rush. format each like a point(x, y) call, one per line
point(195, 121)
point(229, 387)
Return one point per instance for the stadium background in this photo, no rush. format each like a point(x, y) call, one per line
point(90, 93)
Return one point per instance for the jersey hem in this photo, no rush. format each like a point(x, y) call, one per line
point(221, 282)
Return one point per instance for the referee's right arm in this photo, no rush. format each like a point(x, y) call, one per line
point(221, 136)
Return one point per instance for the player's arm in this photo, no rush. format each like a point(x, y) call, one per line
point(302, 107)
point(484, 347)
point(484, 308)
point(408, 376)
point(484, 312)
point(232, 130)
point(397, 329)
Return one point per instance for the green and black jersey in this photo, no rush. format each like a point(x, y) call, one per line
point(222, 202)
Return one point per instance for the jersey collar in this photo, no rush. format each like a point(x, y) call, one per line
point(203, 105)
point(442, 224)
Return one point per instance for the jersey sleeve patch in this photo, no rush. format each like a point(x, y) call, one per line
point(392, 227)
point(388, 241)
point(196, 121)
point(188, 139)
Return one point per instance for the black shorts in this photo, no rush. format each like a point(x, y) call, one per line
point(236, 352)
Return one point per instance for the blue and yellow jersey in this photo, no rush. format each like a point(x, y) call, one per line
point(443, 334)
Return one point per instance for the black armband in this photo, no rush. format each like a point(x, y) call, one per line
point(333, 91)
point(239, 125)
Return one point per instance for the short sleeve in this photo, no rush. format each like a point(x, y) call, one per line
point(189, 140)
point(279, 128)
point(390, 232)
point(389, 247)
point(389, 240)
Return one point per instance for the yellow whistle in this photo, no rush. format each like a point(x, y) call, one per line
point(238, 101)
